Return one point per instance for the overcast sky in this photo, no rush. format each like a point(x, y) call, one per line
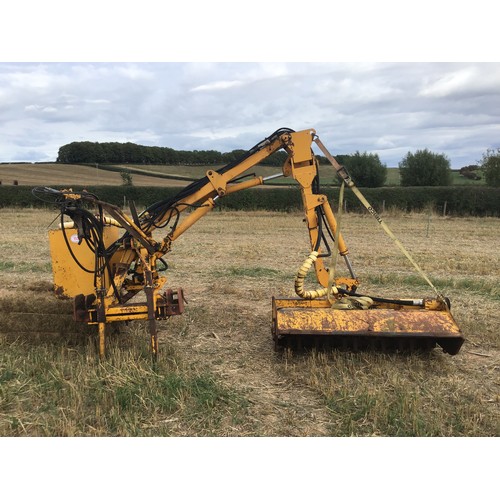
point(388, 109)
point(385, 108)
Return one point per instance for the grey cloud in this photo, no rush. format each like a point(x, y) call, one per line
point(386, 108)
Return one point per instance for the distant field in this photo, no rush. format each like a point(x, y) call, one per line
point(157, 175)
point(78, 175)
point(153, 175)
point(393, 179)
point(458, 180)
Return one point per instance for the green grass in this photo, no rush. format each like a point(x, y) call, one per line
point(373, 394)
point(25, 267)
point(328, 175)
point(63, 390)
point(249, 272)
point(218, 374)
point(481, 286)
point(393, 177)
point(458, 180)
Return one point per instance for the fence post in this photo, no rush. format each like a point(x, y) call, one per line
point(444, 208)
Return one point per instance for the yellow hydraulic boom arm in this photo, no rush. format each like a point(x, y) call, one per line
point(136, 253)
point(301, 165)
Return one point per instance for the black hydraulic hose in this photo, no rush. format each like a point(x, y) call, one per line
point(320, 216)
point(156, 210)
point(69, 247)
point(95, 243)
point(378, 299)
point(320, 232)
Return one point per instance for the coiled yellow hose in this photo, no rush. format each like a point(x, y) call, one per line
point(344, 302)
point(299, 280)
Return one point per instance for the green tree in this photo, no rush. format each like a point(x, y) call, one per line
point(366, 169)
point(424, 168)
point(78, 152)
point(491, 165)
point(126, 177)
point(233, 155)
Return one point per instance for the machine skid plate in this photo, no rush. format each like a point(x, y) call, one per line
point(399, 328)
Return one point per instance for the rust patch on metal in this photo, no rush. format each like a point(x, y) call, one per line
point(371, 321)
point(170, 303)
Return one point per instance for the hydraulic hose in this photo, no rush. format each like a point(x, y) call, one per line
point(338, 302)
point(301, 274)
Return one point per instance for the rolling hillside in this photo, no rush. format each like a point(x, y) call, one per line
point(29, 174)
point(34, 174)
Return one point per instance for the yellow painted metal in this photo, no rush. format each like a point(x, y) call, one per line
point(218, 182)
point(102, 340)
point(69, 279)
point(310, 318)
point(333, 224)
point(107, 220)
point(301, 145)
point(428, 304)
point(192, 218)
point(116, 313)
point(302, 162)
point(257, 181)
point(324, 321)
point(206, 191)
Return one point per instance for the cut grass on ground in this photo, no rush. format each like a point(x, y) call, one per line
point(218, 374)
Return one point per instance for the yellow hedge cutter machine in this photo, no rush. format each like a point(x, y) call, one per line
point(104, 259)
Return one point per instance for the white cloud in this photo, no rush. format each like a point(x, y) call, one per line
point(134, 72)
point(466, 80)
point(97, 101)
point(221, 85)
point(386, 108)
point(39, 108)
point(451, 83)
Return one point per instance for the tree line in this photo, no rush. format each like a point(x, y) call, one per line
point(135, 154)
point(422, 168)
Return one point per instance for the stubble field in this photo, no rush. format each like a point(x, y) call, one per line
point(218, 374)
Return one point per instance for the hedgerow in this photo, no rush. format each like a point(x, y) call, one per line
point(455, 200)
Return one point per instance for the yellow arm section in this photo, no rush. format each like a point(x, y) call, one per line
point(301, 165)
point(200, 198)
